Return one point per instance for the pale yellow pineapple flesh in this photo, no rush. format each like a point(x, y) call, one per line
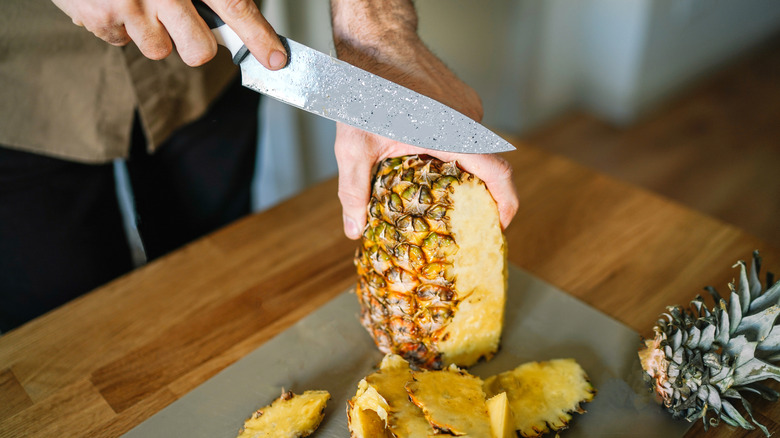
point(501, 421)
point(383, 403)
point(289, 416)
point(480, 277)
point(542, 395)
point(432, 264)
point(452, 401)
point(367, 413)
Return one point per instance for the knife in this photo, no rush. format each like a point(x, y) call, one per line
point(334, 89)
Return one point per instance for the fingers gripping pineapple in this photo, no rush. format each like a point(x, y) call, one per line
point(432, 264)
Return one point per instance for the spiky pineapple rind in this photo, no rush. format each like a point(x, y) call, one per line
point(543, 395)
point(419, 403)
point(452, 401)
point(289, 416)
point(402, 417)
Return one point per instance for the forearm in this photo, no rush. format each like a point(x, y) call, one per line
point(381, 36)
point(375, 28)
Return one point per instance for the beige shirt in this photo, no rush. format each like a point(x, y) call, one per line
point(65, 93)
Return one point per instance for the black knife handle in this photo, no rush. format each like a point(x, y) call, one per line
point(213, 21)
point(210, 17)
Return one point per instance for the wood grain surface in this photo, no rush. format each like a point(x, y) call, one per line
point(104, 363)
point(713, 146)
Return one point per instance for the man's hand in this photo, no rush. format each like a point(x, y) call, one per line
point(357, 151)
point(157, 25)
point(381, 36)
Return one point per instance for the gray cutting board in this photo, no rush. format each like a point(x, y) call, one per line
point(330, 350)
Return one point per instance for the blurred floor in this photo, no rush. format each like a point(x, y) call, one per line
point(714, 147)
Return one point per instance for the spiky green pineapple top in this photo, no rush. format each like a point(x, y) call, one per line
point(703, 360)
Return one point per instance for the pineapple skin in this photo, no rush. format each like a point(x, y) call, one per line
point(397, 402)
point(289, 416)
point(452, 401)
point(432, 264)
point(367, 413)
point(381, 406)
point(542, 395)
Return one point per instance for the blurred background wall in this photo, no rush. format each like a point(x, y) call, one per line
point(531, 61)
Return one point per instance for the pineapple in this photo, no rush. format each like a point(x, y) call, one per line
point(367, 413)
point(396, 402)
point(452, 401)
point(702, 361)
point(501, 420)
point(382, 407)
point(432, 264)
point(542, 394)
point(289, 416)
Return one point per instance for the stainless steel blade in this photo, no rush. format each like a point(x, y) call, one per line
point(331, 88)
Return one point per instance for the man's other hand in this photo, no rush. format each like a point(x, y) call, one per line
point(157, 26)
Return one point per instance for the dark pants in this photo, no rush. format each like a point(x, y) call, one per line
point(61, 231)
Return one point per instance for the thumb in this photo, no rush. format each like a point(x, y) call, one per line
point(354, 179)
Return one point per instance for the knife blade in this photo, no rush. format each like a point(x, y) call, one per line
point(334, 89)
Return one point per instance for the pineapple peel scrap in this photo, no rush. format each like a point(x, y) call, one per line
point(452, 401)
point(701, 355)
point(297, 415)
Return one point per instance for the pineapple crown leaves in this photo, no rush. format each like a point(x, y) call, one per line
point(712, 356)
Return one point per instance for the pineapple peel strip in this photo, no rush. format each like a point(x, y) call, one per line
point(540, 425)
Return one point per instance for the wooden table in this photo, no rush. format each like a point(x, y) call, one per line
point(106, 362)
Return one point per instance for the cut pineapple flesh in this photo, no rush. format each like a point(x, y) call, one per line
point(452, 400)
point(289, 416)
point(501, 421)
point(367, 413)
point(401, 417)
point(543, 394)
point(480, 277)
